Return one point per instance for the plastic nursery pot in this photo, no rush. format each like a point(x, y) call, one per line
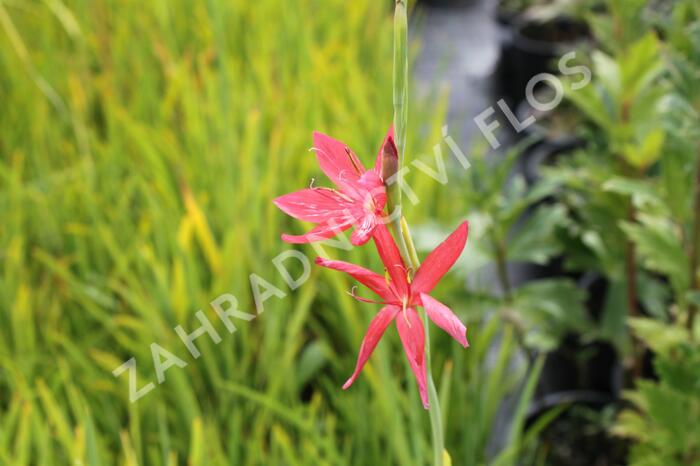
point(546, 153)
point(578, 436)
point(530, 47)
point(586, 380)
point(588, 366)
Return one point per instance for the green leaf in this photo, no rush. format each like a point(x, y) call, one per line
point(659, 336)
point(613, 319)
point(693, 297)
point(535, 240)
point(677, 173)
point(608, 74)
point(590, 101)
point(654, 295)
point(313, 358)
point(641, 191)
point(660, 249)
point(549, 309)
point(639, 66)
point(510, 455)
point(646, 153)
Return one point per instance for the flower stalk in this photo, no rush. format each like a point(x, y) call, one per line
point(402, 234)
point(631, 275)
point(694, 252)
point(400, 100)
point(400, 75)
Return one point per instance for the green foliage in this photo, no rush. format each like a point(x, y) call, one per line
point(664, 419)
point(552, 309)
point(633, 185)
point(618, 23)
point(632, 213)
point(535, 240)
point(499, 204)
point(543, 311)
point(660, 249)
point(492, 378)
point(625, 101)
point(594, 204)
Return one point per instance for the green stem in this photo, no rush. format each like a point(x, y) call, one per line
point(694, 251)
point(400, 78)
point(398, 223)
point(504, 279)
point(400, 99)
point(632, 276)
point(435, 411)
point(502, 269)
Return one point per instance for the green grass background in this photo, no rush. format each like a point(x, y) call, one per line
point(141, 143)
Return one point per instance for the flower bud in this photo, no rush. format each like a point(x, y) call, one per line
point(390, 161)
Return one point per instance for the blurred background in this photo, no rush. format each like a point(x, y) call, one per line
point(141, 145)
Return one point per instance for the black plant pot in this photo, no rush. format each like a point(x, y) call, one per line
point(581, 377)
point(578, 436)
point(583, 366)
point(543, 154)
point(589, 367)
point(531, 47)
point(589, 398)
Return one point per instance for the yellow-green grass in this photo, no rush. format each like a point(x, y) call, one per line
point(141, 144)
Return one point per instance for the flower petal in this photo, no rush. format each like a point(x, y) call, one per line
point(374, 333)
point(315, 204)
point(336, 160)
point(391, 258)
point(440, 260)
point(444, 318)
point(371, 280)
point(320, 232)
point(372, 189)
point(363, 230)
point(410, 329)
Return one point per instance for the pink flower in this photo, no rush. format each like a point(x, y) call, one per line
point(400, 296)
point(359, 199)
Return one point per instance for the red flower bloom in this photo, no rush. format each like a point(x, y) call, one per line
point(359, 199)
point(400, 296)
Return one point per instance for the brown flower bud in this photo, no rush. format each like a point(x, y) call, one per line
point(390, 161)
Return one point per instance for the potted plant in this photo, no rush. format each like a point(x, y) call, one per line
point(612, 194)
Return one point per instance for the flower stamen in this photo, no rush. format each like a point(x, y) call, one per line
point(360, 298)
point(404, 305)
point(348, 152)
